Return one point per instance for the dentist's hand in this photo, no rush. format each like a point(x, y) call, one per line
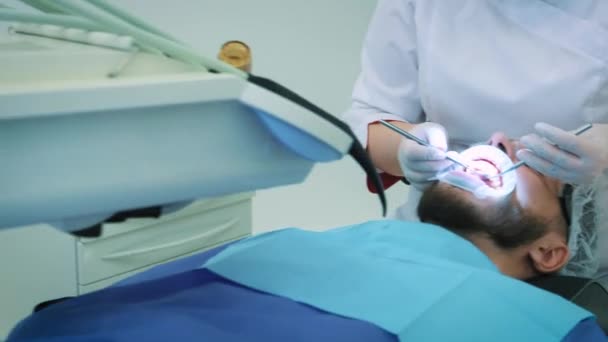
point(563, 155)
point(421, 163)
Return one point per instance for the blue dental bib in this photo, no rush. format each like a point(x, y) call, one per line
point(417, 281)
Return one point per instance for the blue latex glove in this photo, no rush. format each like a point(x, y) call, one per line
point(563, 155)
point(420, 163)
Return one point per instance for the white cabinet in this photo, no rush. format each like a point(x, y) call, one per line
point(39, 263)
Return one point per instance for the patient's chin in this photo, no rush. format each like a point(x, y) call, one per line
point(446, 196)
point(446, 192)
point(506, 223)
point(450, 207)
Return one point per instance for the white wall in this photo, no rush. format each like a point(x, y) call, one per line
point(312, 47)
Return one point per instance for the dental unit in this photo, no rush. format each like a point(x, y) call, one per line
point(149, 106)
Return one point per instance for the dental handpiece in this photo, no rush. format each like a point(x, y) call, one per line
point(419, 141)
point(517, 165)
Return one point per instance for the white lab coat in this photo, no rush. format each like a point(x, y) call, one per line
point(481, 66)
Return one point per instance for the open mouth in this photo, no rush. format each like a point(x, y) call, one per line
point(485, 169)
point(482, 177)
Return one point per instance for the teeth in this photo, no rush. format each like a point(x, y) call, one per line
point(484, 167)
point(485, 163)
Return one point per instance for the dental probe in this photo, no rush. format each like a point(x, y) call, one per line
point(517, 165)
point(419, 141)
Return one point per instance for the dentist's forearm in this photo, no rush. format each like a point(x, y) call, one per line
point(383, 144)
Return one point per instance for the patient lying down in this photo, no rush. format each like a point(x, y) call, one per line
point(376, 281)
point(525, 234)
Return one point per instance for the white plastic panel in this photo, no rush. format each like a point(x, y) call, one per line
point(82, 289)
point(68, 166)
point(138, 243)
point(38, 264)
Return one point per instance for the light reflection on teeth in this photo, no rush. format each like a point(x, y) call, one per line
point(485, 168)
point(484, 161)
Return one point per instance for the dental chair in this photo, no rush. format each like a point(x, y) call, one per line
point(591, 294)
point(143, 296)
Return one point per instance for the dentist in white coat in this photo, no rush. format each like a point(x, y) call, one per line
point(453, 72)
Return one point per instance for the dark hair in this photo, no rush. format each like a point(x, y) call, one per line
point(506, 223)
point(565, 203)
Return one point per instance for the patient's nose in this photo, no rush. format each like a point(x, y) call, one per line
point(501, 141)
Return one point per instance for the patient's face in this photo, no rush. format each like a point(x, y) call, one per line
point(507, 225)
